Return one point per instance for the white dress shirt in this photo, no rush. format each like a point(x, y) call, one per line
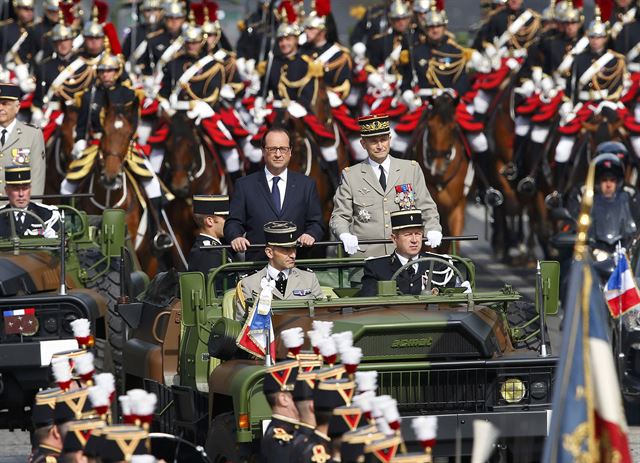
point(282, 183)
point(386, 165)
point(404, 260)
point(273, 273)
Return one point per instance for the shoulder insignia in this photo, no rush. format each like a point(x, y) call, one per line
point(242, 25)
point(282, 435)
point(153, 34)
point(319, 454)
point(358, 12)
point(404, 57)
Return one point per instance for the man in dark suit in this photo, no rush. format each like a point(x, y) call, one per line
point(275, 194)
point(408, 236)
point(21, 222)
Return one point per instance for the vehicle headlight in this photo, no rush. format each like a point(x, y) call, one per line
point(513, 390)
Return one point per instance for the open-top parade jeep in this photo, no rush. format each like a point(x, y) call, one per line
point(30, 278)
point(460, 356)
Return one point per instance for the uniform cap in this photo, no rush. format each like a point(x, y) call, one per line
point(346, 418)
point(73, 405)
point(9, 92)
point(406, 219)
point(17, 175)
point(122, 444)
point(353, 442)
point(414, 457)
point(79, 433)
point(281, 233)
point(333, 393)
point(44, 406)
point(305, 384)
point(281, 377)
point(211, 204)
point(373, 125)
point(386, 448)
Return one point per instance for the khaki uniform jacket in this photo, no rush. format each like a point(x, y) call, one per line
point(361, 208)
point(25, 145)
point(301, 284)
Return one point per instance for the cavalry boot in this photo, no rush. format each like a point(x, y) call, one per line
point(559, 176)
point(485, 192)
point(161, 239)
point(520, 147)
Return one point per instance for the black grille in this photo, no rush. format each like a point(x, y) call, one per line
point(439, 344)
point(472, 390)
point(53, 319)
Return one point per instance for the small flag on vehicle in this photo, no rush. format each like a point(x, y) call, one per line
point(621, 291)
point(22, 321)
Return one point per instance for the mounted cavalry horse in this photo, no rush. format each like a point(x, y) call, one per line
point(444, 158)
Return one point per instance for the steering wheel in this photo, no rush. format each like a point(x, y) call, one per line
point(32, 214)
point(432, 260)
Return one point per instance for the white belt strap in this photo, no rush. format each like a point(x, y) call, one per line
point(514, 28)
point(626, 19)
point(567, 61)
point(165, 58)
point(140, 50)
point(328, 54)
point(595, 68)
point(16, 46)
point(633, 53)
point(188, 75)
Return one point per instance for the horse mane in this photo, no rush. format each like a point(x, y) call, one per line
point(444, 108)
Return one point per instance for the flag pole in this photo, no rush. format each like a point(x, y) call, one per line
point(622, 290)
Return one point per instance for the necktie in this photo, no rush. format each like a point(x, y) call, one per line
point(275, 194)
point(281, 283)
point(383, 179)
point(3, 137)
point(411, 271)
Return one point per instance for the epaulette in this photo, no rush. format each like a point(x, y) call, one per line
point(242, 25)
point(381, 35)
point(617, 55)
point(282, 435)
point(154, 34)
point(344, 49)
point(358, 12)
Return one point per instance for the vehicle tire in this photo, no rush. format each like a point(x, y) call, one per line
point(221, 444)
point(520, 313)
point(108, 285)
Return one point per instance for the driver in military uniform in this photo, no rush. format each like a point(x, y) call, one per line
point(18, 191)
point(209, 214)
point(279, 382)
point(407, 235)
point(20, 143)
point(291, 282)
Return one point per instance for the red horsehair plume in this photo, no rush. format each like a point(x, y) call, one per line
point(323, 7)
point(288, 8)
point(102, 9)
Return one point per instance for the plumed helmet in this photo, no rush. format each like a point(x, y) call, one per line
point(435, 18)
point(62, 32)
point(598, 28)
point(109, 62)
point(399, 9)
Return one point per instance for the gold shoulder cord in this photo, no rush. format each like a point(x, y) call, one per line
point(314, 72)
point(206, 76)
point(609, 77)
point(80, 81)
point(527, 34)
point(437, 69)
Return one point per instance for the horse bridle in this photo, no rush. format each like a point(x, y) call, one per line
point(449, 158)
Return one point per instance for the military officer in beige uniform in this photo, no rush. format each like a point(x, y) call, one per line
point(20, 143)
point(371, 190)
point(290, 282)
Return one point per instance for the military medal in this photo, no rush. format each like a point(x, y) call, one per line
point(405, 197)
point(364, 215)
point(20, 155)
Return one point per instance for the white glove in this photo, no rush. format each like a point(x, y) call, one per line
point(434, 238)
point(334, 100)
point(166, 107)
point(201, 110)
point(37, 117)
point(350, 243)
point(467, 285)
point(50, 233)
point(375, 80)
point(227, 92)
point(359, 50)
point(526, 89)
point(78, 148)
point(412, 101)
point(296, 109)
point(395, 54)
point(26, 83)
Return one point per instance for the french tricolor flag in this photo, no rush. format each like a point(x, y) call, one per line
point(18, 313)
point(621, 291)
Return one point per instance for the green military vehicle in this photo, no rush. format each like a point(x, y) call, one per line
point(30, 278)
point(459, 356)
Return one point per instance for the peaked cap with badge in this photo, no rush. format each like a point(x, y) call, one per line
point(374, 125)
point(78, 434)
point(211, 204)
point(281, 233)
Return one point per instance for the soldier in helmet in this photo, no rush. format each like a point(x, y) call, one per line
point(596, 80)
point(49, 70)
point(388, 44)
point(13, 33)
point(162, 42)
point(38, 44)
point(136, 43)
point(371, 21)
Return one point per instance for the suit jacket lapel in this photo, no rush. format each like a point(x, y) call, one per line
point(267, 193)
point(290, 191)
point(370, 177)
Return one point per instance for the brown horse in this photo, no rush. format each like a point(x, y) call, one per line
point(191, 167)
point(58, 150)
point(441, 153)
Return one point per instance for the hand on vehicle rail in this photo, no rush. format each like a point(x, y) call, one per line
point(350, 243)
